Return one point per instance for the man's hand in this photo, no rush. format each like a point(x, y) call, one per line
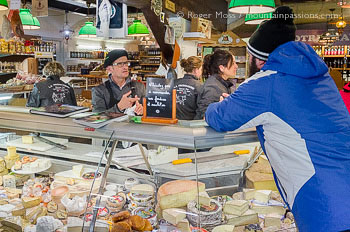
point(139, 107)
point(223, 96)
point(126, 101)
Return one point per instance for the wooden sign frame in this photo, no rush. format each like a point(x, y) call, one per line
point(172, 120)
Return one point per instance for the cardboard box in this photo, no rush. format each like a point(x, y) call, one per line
point(201, 25)
point(30, 65)
point(180, 26)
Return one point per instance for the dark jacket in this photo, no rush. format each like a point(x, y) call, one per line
point(50, 92)
point(212, 89)
point(187, 90)
point(101, 99)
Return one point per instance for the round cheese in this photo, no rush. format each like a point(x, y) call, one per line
point(209, 216)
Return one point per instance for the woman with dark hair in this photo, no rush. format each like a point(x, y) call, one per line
point(188, 88)
point(219, 67)
point(52, 91)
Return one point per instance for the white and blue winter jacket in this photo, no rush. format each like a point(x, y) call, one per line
point(304, 129)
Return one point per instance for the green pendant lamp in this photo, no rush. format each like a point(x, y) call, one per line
point(257, 18)
point(138, 29)
point(3, 5)
point(29, 22)
point(251, 6)
point(88, 30)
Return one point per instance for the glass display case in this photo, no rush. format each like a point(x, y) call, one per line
point(164, 168)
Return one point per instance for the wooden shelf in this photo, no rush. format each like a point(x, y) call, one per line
point(134, 60)
point(152, 56)
point(198, 39)
point(10, 73)
point(84, 86)
point(334, 56)
point(6, 54)
point(150, 64)
point(340, 69)
point(153, 75)
point(142, 71)
point(73, 73)
point(93, 76)
point(90, 59)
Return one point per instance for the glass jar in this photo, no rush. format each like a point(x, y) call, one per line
point(4, 47)
point(12, 47)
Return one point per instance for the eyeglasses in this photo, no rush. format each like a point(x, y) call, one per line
point(121, 64)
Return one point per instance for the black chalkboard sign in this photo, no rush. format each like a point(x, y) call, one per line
point(159, 96)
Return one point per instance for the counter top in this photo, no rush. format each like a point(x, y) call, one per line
point(168, 135)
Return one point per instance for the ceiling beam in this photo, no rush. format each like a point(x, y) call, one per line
point(158, 30)
point(216, 11)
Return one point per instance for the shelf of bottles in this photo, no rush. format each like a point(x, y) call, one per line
point(145, 62)
point(335, 57)
point(28, 47)
point(88, 55)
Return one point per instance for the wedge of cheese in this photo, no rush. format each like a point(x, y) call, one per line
point(272, 220)
point(265, 209)
point(27, 139)
point(174, 215)
point(249, 217)
point(236, 207)
point(260, 181)
point(78, 170)
point(204, 198)
point(30, 202)
point(178, 193)
point(144, 189)
point(259, 195)
point(19, 210)
point(224, 228)
point(184, 226)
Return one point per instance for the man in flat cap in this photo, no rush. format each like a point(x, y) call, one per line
point(119, 92)
point(301, 121)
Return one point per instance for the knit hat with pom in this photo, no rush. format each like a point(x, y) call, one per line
point(272, 33)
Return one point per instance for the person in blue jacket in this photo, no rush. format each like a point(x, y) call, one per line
point(302, 124)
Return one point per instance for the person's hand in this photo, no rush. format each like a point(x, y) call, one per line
point(139, 107)
point(223, 96)
point(126, 101)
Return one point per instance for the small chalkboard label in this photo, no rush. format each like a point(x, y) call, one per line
point(159, 97)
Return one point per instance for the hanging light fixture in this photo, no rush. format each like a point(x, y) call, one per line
point(88, 30)
point(3, 5)
point(257, 18)
point(29, 22)
point(138, 29)
point(251, 6)
point(329, 37)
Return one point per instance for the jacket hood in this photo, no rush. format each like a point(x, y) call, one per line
point(297, 59)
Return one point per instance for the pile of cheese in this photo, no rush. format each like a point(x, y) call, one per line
point(32, 164)
point(173, 198)
point(259, 176)
point(264, 208)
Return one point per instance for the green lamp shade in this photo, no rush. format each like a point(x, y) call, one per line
point(88, 30)
point(251, 6)
point(3, 5)
point(138, 29)
point(29, 22)
point(257, 18)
